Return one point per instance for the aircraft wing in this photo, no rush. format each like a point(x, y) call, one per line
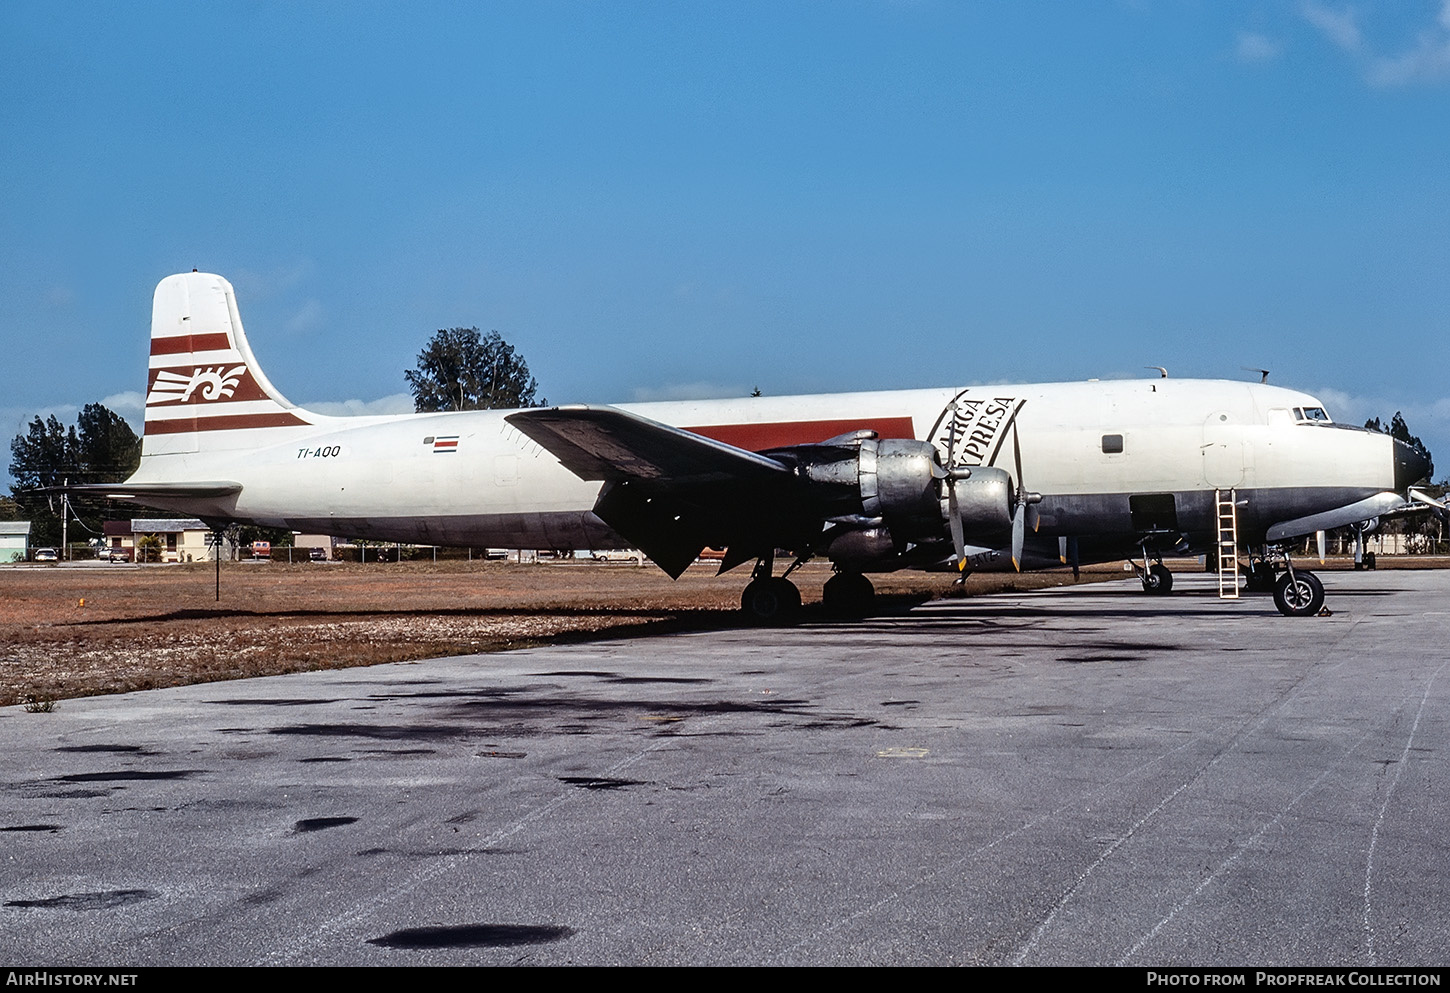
point(670, 492)
point(596, 442)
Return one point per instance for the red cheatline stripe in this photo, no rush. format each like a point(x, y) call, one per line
point(189, 343)
point(758, 437)
point(233, 422)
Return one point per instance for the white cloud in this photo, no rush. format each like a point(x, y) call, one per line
point(1339, 26)
point(306, 318)
point(396, 403)
point(1426, 61)
point(130, 404)
point(260, 284)
point(1257, 48)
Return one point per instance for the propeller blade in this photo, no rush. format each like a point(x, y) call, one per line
point(1417, 496)
point(959, 541)
point(1320, 538)
point(1019, 535)
point(1017, 457)
point(1062, 550)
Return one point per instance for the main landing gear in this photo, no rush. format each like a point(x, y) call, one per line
point(768, 599)
point(775, 600)
point(848, 594)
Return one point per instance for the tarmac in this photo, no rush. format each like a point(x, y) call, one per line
point(1077, 776)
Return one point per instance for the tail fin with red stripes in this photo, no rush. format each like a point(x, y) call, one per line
point(205, 390)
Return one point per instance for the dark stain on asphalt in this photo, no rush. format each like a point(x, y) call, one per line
point(321, 823)
point(599, 782)
point(105, 900)
point(132, 749)
point(127, 775)
point(473, 936)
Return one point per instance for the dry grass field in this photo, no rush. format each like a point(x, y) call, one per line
point(83, 629)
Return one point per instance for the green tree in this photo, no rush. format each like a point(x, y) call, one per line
point(1400, 431)
point(99, 448)
point(460, 369)
point(1420, 529)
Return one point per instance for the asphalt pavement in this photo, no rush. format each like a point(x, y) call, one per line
point(1078, 776)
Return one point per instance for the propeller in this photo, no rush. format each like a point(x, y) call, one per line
point(1025, 499)
point(1320, 539)
point(951, 474)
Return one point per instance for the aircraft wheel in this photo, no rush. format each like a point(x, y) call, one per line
point(1299, 595)
point(848, 594)
point(1369, 560)
point(1158, 580)
point(771, 601)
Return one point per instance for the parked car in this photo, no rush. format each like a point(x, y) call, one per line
point(317, 554)
point(47, 555)
point(115, 555)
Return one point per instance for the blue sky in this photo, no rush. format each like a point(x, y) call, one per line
point(692, 199)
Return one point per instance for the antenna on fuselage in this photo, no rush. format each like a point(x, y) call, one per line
point(1263, 373)
point(1162, 372)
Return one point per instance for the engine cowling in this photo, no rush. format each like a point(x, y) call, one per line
point(984, 503)
point(883, 494)
point(890, 481)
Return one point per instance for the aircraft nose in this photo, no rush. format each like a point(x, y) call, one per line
point(1411, 465)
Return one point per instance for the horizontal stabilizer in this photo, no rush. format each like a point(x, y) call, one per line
point(140, 492)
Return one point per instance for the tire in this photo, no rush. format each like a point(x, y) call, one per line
point(1299, 594)
point(1369, 560)
point(1158, 581)
point(771, 601)
point(848, 594)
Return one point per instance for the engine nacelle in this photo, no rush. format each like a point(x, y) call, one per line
point(984, 502)
point(895, 481)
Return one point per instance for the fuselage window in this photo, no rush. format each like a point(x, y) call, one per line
point(1112, 444)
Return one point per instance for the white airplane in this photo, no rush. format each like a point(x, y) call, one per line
point(986, 477)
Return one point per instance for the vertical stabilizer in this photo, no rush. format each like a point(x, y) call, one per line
point(205, 390)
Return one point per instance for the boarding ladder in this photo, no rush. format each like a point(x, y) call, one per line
point(1228, 543)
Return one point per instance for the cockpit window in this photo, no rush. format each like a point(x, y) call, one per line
point(1307, 415)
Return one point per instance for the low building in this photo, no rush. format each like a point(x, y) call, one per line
point(172, 539)
point(14, 541)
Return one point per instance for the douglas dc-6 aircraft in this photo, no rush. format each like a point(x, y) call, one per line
point(989, 477)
